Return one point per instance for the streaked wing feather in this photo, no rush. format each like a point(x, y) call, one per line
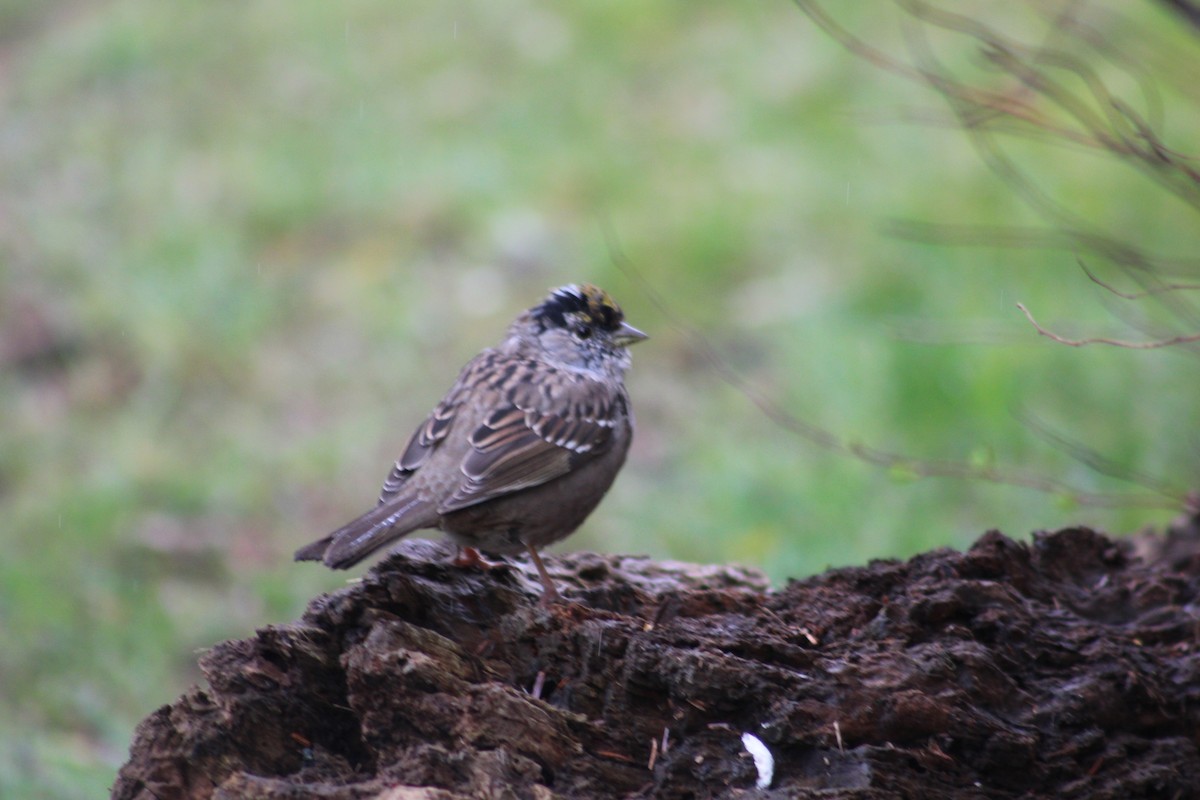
point(525, 460)
point(432, 431)
point(549, 424)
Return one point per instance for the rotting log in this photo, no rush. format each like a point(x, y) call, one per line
point(1063, 667)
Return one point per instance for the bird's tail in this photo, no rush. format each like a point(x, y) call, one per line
point(360, 537)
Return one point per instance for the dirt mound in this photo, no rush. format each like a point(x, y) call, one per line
point(1066, 667)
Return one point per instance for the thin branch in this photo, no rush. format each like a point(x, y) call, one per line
point(1115, 127)
point(1095, 460)
point(1004, 103)
point(1166, 287)
point(1176, 340)
point(826, 440)
point(1068, 21)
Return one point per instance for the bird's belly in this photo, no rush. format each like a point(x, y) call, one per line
point(537, 516)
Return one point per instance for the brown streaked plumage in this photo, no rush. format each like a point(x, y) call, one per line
point(522, 448)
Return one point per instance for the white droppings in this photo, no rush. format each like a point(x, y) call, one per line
point(764, 762)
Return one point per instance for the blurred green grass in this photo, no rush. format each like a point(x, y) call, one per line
point(244, 248)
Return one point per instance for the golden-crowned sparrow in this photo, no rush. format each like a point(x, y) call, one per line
point(523, 446)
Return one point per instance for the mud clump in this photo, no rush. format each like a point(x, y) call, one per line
point(1065, 667)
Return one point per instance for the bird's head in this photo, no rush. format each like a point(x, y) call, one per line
point(578, 326)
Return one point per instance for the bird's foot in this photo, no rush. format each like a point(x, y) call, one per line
point(469, 557)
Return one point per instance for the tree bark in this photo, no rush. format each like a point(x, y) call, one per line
point(1065, 667)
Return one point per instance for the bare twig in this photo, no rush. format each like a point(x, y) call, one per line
point(1042, 105)
point(816, 435)
point(1098, 116)
point(1053, 92)
point(1119, 252)
point(1095, 460)
point(1175, 340)
point(1165, 287)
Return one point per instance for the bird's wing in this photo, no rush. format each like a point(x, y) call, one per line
point(435, 427)
point(544, 423)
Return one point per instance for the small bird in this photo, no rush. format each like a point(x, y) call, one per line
point(521, 449)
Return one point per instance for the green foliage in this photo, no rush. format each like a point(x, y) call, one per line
point(244, 248)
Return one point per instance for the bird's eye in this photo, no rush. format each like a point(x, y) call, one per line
point(584, 332)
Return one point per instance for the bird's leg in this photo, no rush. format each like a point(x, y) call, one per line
point(550, 595)
point(469, 557)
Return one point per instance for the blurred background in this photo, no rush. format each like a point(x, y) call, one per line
point(244, 248)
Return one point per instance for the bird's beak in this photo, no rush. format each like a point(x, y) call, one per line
point(627, 335)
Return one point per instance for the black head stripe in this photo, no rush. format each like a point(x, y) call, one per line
point(586, 300)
